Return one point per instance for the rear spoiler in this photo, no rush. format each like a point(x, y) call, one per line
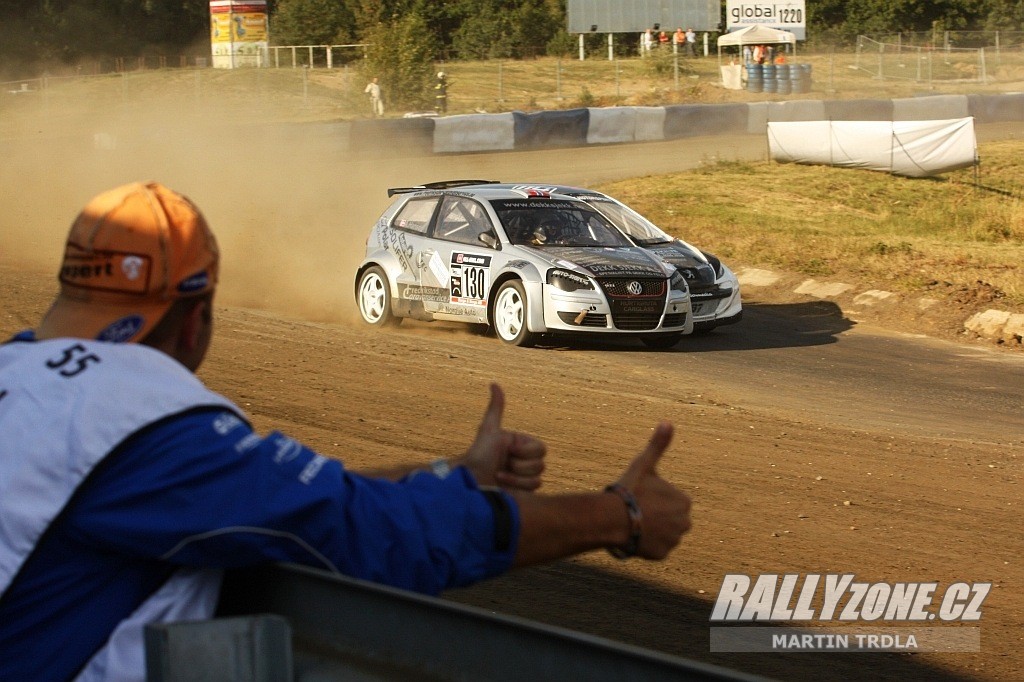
point(443, 184)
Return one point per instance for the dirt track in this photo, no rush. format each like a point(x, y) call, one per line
point(781, 420)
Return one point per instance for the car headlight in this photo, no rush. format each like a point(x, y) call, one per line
point(569, 281)
point(677, 282)
point(715, 263)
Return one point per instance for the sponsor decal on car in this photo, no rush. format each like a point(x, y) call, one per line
point(412, 292)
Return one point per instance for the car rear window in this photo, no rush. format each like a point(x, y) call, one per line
point(415, 215)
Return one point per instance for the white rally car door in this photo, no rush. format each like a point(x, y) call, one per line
point(462, 260)
point(414, 249)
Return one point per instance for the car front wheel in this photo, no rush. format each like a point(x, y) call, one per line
point(510, 315)
point(374, 299)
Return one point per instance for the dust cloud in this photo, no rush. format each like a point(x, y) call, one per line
point(290, 205)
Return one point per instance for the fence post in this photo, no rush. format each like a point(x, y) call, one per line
point(558, 79)
point(981, 58)
point(330, 56)
point(501, 91)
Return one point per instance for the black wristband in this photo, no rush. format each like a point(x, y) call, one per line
point(502, 518)
point(635, 518)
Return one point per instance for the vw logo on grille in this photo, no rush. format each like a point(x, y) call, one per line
point(635, 288)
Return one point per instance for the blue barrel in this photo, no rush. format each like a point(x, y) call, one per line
point(769, 71)
point(755, 78)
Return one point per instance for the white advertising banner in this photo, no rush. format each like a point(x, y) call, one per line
point(788, 15)
point(914, 149)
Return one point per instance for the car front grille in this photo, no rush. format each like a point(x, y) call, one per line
point(635, 311)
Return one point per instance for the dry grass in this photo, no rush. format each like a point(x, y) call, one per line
point(910, 235)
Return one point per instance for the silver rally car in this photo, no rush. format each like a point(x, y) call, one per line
point(525, 261)
point(714, 288)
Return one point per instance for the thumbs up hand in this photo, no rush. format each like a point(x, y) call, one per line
point(509, 459)
point(665, 509)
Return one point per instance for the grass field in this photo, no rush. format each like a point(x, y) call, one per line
point(903, 234)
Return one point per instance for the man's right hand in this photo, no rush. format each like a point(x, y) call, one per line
point(665, 508)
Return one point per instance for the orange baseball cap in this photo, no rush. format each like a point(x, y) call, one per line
point(130, 254)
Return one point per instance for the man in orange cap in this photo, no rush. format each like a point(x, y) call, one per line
point(127, 486)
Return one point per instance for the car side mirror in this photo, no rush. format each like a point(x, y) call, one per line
point(489, 239)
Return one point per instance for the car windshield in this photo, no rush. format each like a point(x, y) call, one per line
point(556, 223)
point(632, 223)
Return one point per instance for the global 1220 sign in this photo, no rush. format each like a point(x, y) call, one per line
point(784, 15)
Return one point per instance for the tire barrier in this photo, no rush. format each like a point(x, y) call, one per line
point(755, 78)
point(800, 76)
point(783, 85)
point(770, 83)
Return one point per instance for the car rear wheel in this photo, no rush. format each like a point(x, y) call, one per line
point(509, 315)
point(661, 341)
point(374, 299)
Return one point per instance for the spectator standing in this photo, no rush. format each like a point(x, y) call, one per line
point(441, 93)
point(678, 39)
point(691, 43)
point(127, 486)
point(376, 103)
point(662, 39)
point(648, 41)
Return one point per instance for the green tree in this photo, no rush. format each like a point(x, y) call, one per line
point(312, 22)
point(401, 53)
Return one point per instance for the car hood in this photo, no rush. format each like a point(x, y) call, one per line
point(604, 261)
point(693, 267)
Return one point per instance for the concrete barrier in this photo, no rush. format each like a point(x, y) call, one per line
point(996, 108)
point(933, 107)
point(474, 133)
point(551, 128)
point(399, 136)
point(693, 120)
point(650, 124)
point(796, 110)
point(611, 125)
point(859, 110)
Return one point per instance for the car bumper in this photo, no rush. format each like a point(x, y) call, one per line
point(589, 312)
point(714, 312)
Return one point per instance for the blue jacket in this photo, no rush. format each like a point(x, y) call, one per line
point(150, 481)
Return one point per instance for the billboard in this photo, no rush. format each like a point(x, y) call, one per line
point(636, 16)
point(788, 15)
point(238, 33)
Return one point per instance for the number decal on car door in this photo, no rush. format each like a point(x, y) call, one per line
point(470, 278)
